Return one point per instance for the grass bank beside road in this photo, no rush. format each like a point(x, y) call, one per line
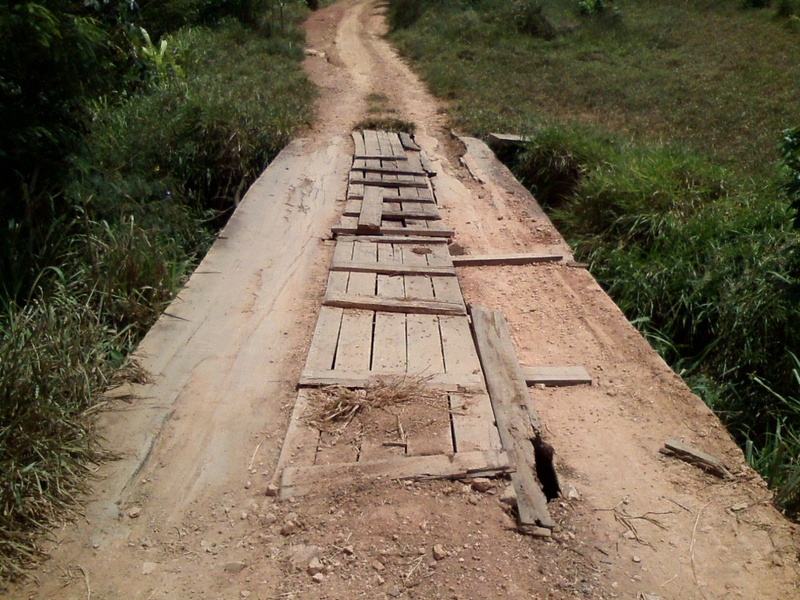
point(657, 143)
point(114, 190)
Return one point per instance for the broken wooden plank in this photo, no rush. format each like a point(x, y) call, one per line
point(556, 376)
point(703, 460)
point(408, 142)
point(298, 481)
point(455, 383)
point(347, 229)
point(371, 215)
point(390, 183)
point(427, 165)
point(404, 305)
point(393, 268)
point(504, 259)
point(515, 424)
point(506, 140)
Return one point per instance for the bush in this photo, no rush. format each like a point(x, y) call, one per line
point(52, 363)
point(529, 19)
point(403, 14)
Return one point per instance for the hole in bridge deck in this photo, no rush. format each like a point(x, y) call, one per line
point(545, 468)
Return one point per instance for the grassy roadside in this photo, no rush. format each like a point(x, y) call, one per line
point(654, 131)
point(92, 256)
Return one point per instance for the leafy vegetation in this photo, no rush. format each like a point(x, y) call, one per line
point(130, 133)
point(654, 129)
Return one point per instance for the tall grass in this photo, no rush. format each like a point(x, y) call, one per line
point(654, 133)
point(92, 264)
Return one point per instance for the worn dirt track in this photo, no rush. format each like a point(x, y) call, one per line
point(183, 513)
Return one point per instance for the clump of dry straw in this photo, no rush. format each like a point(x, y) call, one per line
point(335, 406)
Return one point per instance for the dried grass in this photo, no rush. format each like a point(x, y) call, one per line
point(334, 407)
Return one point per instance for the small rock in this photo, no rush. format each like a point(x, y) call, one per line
point(481, 484)
point(247, 485)
point(269, 518)
point(135, 512)
point(394, 592)
point(636, 559)
point(301, 556)
point(148, 568)
point(245, 593)
point(439, 553)
point(629, 535)
point(289, 528)
point(318, 578)
point(378, 566)
point(379, 580)
point(349, 550)
point(272, 490)
point(739, 506)
point(243, 516)
point(315, 566)
point(472, 500)
point(541, 532)
point(509, 496)
point(573, 494)
point(234, 567)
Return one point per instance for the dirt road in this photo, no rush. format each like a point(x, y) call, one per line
point(183, 513)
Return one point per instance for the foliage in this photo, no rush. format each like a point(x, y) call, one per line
point(653, 144)
point(404, 13)
point(790, 152)
point(529, 19)
point(159, 143)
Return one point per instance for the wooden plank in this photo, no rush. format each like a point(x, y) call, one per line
point(393, 269)
point(354, 351)
point(300, 443)
point(390, 183)
point(358, 142)
point(298, 481)
point(457, 383)
point(390, 285)
point(510, 398)
point(408, 142)
point(703, 460)
point(350, 228)
point(383, 143)
point(397, 146)
point(388, 239)
point(419, 215)
point(427, 166)
point(338, 282)
point(373, 148)
point(389, 344)
point(369, 220)
point(424, 344)
point(402, 305)
point(506, 140)
point(504, 259)
point(472, 416)
point(391, 170)
point(556, 376)
point(395, 194)
point(326, 337)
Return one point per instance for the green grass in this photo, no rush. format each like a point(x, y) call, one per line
point(654, 132)
point(93, 263)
